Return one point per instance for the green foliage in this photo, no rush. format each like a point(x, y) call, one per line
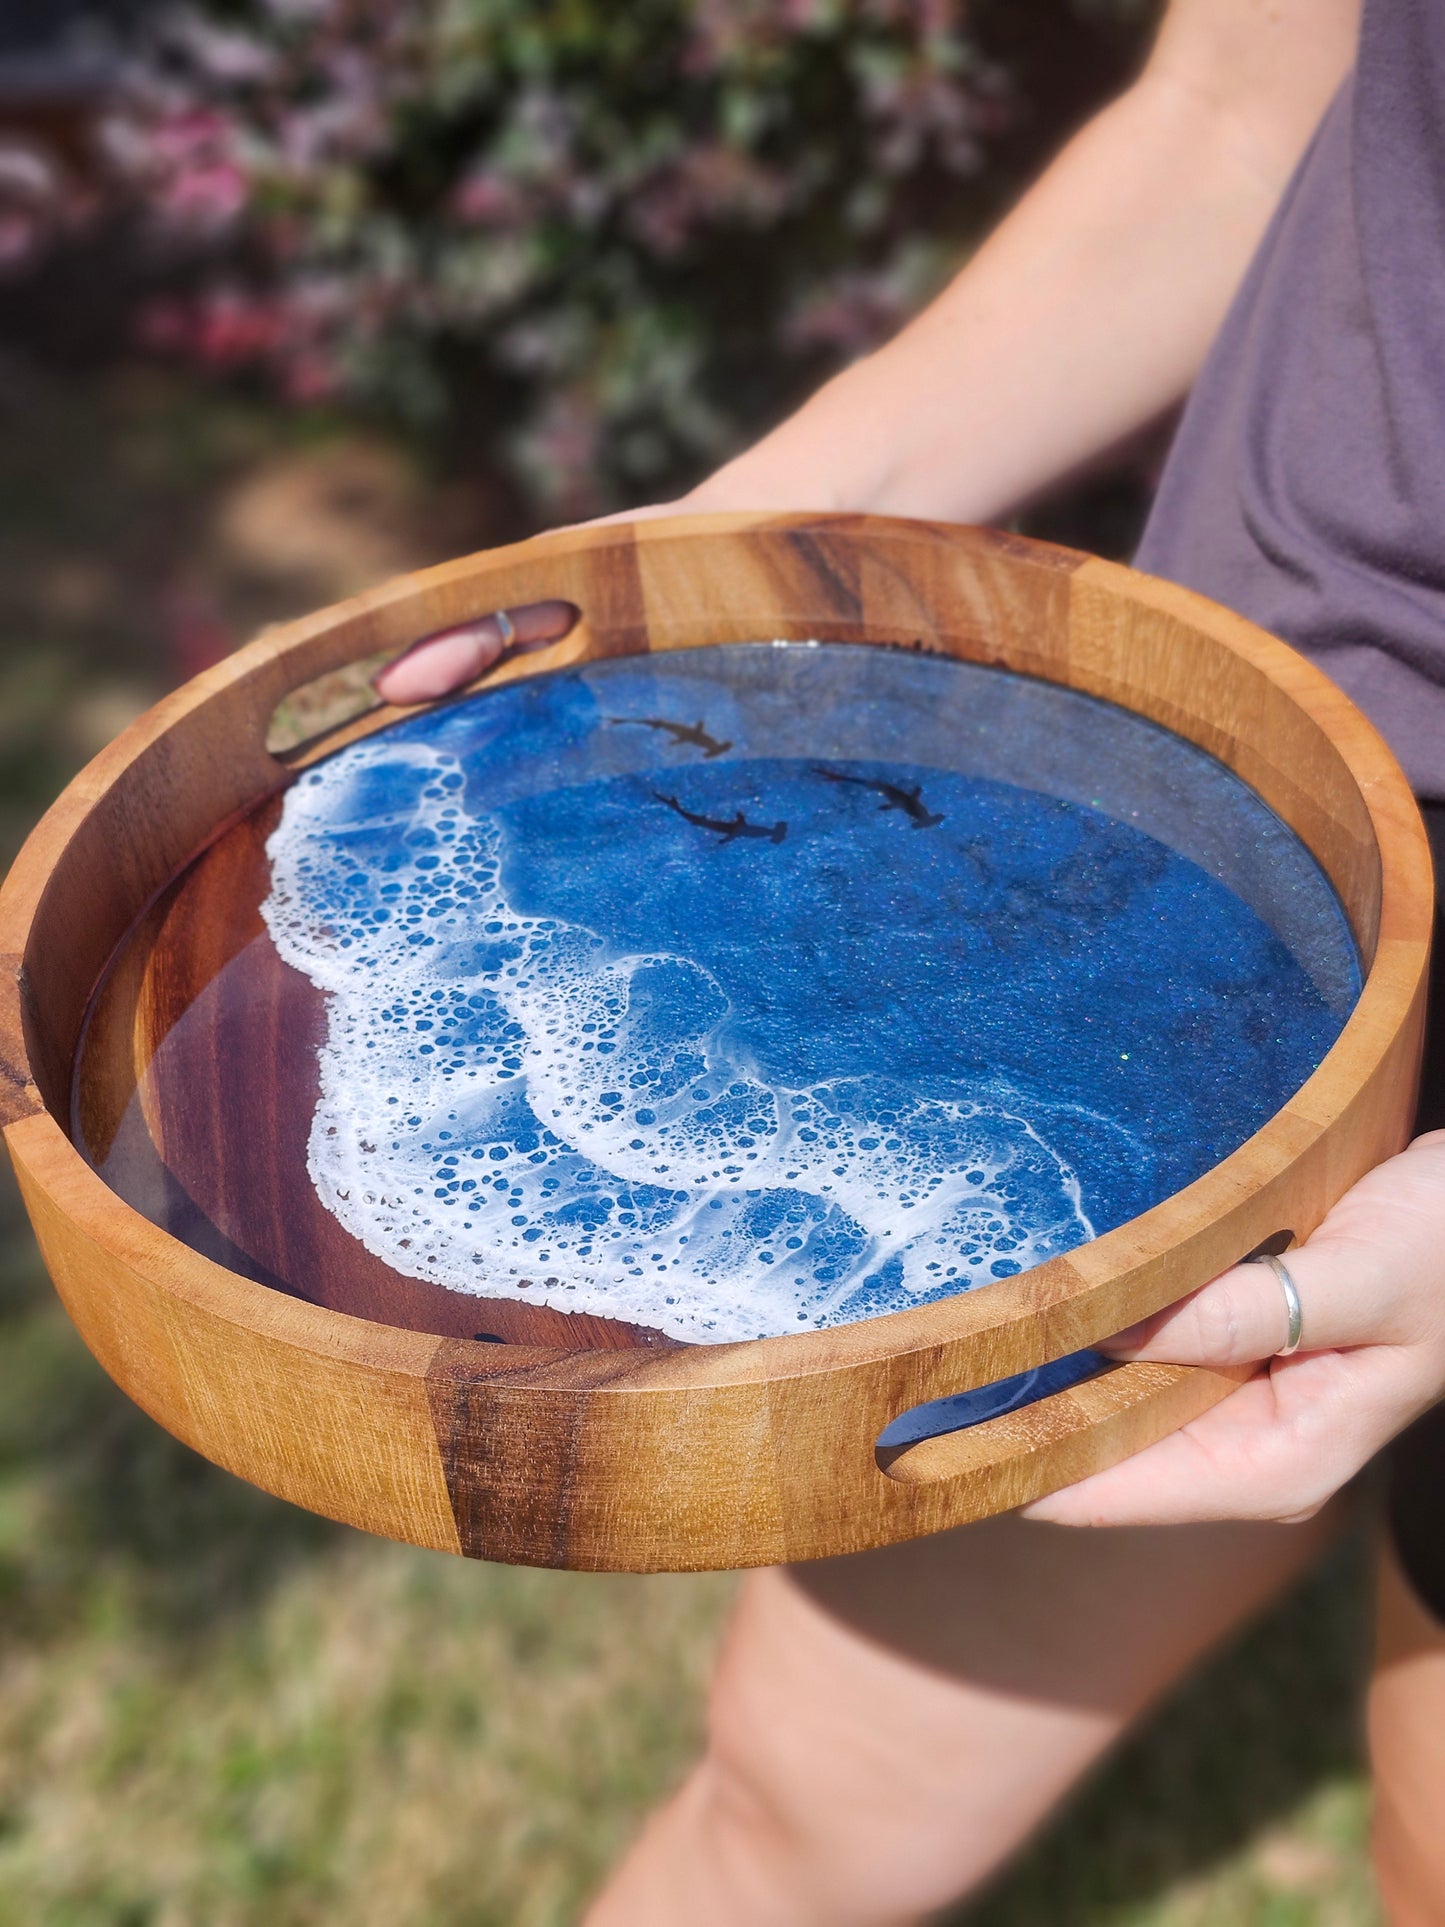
point(611, 242)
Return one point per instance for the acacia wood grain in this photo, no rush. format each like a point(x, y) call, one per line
point(680, 1456)
point(196, 1080)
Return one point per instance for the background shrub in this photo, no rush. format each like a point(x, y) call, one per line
point(599, 245)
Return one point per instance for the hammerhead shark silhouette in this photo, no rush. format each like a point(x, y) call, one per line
point(727, 827)
point(895, 797)
point(681, 733)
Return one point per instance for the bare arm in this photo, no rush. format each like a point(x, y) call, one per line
point(1089, 310)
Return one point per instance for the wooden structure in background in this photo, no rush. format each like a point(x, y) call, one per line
point(626, 1456)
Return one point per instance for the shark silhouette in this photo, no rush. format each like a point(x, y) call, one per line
point(727, 827)
point(895, 797)
point(691, 733)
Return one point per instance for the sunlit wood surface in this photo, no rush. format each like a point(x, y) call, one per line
point(573, 1441)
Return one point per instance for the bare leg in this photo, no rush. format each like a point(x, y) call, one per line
point(1407, 1747)
point(886, 1729)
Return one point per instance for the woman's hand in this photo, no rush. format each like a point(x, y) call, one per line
point(1371, 1283)
point(1371, 1280)
point(448, 659)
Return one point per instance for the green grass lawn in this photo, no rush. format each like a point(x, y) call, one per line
point(215, 1709)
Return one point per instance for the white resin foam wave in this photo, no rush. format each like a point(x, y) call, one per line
point(508, 1108)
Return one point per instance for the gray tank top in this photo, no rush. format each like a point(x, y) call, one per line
point(1306, 485)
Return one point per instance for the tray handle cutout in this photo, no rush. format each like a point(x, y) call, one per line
point(940, 1416)
point(1042, 1394)
point(323, 712)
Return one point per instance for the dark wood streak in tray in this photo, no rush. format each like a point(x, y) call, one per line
point(196, 1082)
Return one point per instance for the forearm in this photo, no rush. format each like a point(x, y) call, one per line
point(1083, 318)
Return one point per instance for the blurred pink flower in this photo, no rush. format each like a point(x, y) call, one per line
point(40, 199)
point(854, 314)
point(225, 54)
point(706, 184)
point(222, 328)
point(292, 330)
point(233, 328)
point(312, 377)
point(487, 198)
point(27, 174)
point(198, 182)
point(559, 453)
point(20, 237)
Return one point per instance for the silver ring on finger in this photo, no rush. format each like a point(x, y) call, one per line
point(1292, 1306)
point(505, 625)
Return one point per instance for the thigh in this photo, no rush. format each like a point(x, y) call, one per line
point(1407, 1750)
point(904, 1718)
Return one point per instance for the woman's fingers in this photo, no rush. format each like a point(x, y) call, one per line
point(449, 658)
point(441, 662)
point(1275, 1449)
point(1373, 1274)
point(1242, 1317)
point(1242, 1459)
point(1236, 1319)
point(1371, 1283)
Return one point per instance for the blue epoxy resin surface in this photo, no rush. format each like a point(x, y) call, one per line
point(749, 990)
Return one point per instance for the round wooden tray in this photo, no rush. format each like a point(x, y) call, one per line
point(610, 1454)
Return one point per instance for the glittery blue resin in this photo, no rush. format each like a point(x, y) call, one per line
point(758, 988)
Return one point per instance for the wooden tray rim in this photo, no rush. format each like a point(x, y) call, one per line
point(1124, 1257)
